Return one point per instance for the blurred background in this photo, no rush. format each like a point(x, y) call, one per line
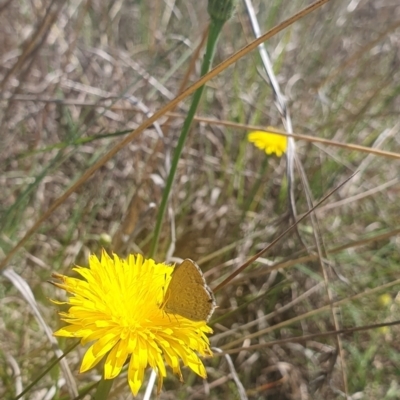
point(76, 76)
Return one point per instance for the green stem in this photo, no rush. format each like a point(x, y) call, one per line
point(213, 34)
point(103, 389)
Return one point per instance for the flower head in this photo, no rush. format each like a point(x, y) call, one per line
point(117, 306)
point(385, 300)
point(270, 142)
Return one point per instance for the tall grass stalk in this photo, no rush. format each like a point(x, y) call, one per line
point(214, 31)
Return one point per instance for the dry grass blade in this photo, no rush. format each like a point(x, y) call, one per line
point(355, 57)
point(36, 40)
point(239, 385)
point(307, 138)
point(321, 253)
point(280, 237)
point(306, 338)
point(26, 292)
point(314, 313)
point(270, 316)
point(285, 264)
point(280, 103)
point(16, 374)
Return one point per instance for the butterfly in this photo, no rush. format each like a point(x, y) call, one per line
point(188, 294)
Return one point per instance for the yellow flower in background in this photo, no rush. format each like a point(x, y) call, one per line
point(385, 300)
point(269, 142)
point(117, 306)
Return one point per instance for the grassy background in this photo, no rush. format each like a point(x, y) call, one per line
point(77, 76)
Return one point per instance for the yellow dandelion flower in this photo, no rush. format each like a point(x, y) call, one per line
point(384, 330)
point(117, 306)
point(269, 142)
point(385, 300)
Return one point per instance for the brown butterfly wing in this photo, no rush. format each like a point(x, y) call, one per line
point(188, 294)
